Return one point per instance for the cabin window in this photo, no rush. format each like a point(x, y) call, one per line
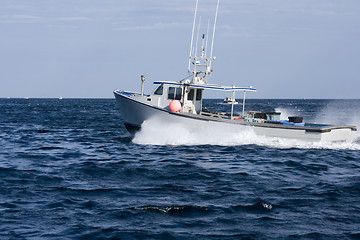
point(174, 93)
point(171, 93)
point(190, 95)
point(198, 94)
point(178, 93)
point(159, 90)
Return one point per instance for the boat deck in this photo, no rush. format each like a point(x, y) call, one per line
point(308, 127)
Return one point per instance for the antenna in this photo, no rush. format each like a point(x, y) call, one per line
point(192, 35)
point(203, 47)
point(203, 62)
point(197, 39)
point(212, 43)
point(207, 37)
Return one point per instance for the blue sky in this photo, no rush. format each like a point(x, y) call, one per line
point(88, 48)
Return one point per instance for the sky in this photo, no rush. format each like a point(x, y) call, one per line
point(88, 48)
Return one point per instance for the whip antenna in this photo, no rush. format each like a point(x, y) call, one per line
point(212, 43)
point(192, 35)
point(207, 37)
point(197, 38)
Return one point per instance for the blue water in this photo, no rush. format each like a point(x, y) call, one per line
point(69, 170)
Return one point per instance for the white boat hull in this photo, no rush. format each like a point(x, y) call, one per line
point(135, 112)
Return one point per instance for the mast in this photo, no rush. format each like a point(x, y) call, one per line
point(201, 68)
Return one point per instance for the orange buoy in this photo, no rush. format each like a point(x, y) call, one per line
point(175, 106)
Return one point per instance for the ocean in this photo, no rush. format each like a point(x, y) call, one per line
point(70, 170)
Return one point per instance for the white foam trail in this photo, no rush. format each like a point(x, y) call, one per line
point(159, 132)
point(283, 143)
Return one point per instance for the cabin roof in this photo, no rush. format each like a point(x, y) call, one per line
point(208, 86)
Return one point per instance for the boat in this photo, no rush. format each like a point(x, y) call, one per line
point(182, 102)
point(229, 100)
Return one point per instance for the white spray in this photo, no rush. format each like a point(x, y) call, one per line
point(158, 132)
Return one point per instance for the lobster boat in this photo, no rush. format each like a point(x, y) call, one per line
point(182, 102)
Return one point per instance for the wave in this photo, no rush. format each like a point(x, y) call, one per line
point(175, 210)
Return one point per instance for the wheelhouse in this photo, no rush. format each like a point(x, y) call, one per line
point(191, 97)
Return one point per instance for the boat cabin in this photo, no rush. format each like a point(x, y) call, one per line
point(189, 96)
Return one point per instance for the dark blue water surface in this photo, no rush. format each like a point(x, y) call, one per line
point(69, 170)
